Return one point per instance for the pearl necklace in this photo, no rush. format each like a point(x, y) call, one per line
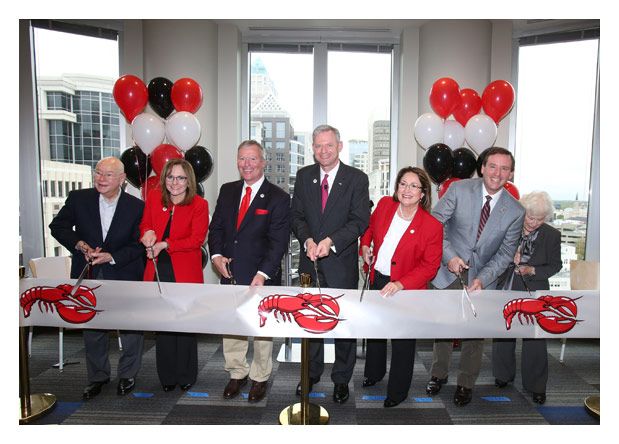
point(402, 215)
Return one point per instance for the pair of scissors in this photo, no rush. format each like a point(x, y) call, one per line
point(232, 280)
point(87, 268)
point(366, 282)
point(523, 281)
point(466, 293)
point(156, 269)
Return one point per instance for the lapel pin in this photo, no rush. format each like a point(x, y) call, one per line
point(165, 208)
point(339, 183)
point(315, 180)
point(262, 196)
point(412, 231)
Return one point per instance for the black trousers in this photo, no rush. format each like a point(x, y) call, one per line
point(402, 357)
point(177, 357)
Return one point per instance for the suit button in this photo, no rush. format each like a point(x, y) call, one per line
point(236, 242)
point(393, 263)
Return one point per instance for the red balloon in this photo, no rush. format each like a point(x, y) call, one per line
point(131, 96)
point(512, 190)
point(152, 183)
point(186, 95)
point(444, 96)
point(162, 154)
point(443, 187)
point(470, 105)
point(498, 99)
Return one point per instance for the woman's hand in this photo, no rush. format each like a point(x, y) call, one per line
point(391, 288)
point(149, 238)
point(154, 251)
point(367, 254)
point(524, 270)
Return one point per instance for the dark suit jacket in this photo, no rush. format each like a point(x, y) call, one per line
point(459, 211)
point(79, 219)
point(262, 238)
point(417, 257)
point(546, 259)
point(346, 217)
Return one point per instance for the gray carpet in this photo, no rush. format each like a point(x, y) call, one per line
point(569, 384)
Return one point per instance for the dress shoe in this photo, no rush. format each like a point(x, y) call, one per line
point(168, 388)
point(390, 402)
point(499, 383)
point(340, 393)
point(257, 391)
point(539, 398)
point(94, 388)
point(125, 385)
point(367, 382)
point(463, 396)
point(185, 386)
point(434, 385)
point(234, 387)
point(312, 381)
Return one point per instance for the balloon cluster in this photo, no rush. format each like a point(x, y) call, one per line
point(469, 124)
point(174, 123)
point(446, 159)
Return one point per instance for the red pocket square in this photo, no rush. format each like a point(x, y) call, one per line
point(262, 211)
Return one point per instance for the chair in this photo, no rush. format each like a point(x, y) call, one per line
point(52, 267)
point(584, 275)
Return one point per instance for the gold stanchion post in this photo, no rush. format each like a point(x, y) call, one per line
point(39, 404)
point(304, 413)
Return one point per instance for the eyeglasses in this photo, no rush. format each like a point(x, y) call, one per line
point(411, 186)
point(106, 175)
point(181, 179)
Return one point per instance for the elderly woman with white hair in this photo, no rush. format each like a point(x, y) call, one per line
point(537, 258)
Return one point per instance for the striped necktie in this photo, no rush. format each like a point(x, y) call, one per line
point(485, 212)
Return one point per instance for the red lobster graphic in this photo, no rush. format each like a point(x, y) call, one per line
point(77, 309)
point(315, 313)
point(563, 309)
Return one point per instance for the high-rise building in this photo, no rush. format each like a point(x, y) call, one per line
point(358, 154)
point(380, 141)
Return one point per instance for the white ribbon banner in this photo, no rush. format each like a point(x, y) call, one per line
point(304, 312)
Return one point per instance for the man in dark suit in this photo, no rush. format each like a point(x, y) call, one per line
point(249, 234)
point(102, 224)
point(481, 227)
point(330, 211)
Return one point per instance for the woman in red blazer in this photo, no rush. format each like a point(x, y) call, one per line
point(407, 248)
point(173, 230)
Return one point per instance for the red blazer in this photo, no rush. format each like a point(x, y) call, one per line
point(187, 234)
point(418, 255)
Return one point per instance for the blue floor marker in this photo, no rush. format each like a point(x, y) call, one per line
point(198, 394)
point(423, 399)
point(496, 398)
point(317, 395)
point(143, 395)
point(374, 398)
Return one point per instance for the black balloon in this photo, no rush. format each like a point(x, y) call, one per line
point(137, 166)
point(160, 97)
point(202, 162)
point(480, 161)
point(204, 256)
point(199, 189)
point(438, 162)
point(464, 163)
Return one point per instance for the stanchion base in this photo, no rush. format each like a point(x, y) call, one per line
point(592, 404)
point(291, 415)
point(41, 404)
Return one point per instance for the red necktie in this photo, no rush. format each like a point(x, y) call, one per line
point(485, 212)
point(324, 189)
point(244, 206)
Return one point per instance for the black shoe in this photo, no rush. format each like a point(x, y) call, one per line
point(367, 382)
point(390, 403)
point(312, 381)
point(185, 386)
point(434, 385)
point(168, 388)
point(463, 396)
point(539, 398)
point(499, 383)
point(125, 385)
point(340, 393)
point(94, 388)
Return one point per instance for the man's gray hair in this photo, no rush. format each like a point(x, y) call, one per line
point(247, 143)
point(323, 129)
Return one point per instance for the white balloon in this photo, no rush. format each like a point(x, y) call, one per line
point(148, 132)
point(428, 130)
point(453, 135)
point(183, 130)
point(480, 132)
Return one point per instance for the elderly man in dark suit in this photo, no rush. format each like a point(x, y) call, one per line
point(330, 211)
point(102, 224)
point(248, 237)
point(482, 224)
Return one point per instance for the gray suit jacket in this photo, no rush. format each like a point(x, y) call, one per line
point(459, 211)
point(346, 217)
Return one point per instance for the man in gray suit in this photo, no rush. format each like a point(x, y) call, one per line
point(330, 211)
point(482, 223)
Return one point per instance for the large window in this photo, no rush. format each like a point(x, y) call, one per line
point(554, 135)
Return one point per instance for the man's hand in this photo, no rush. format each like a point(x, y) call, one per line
point(324, 247)
point(456, 265)
point(220, 263)
point(257, 281)
point(475, 285)
point(100, 257)
point(310, 249)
